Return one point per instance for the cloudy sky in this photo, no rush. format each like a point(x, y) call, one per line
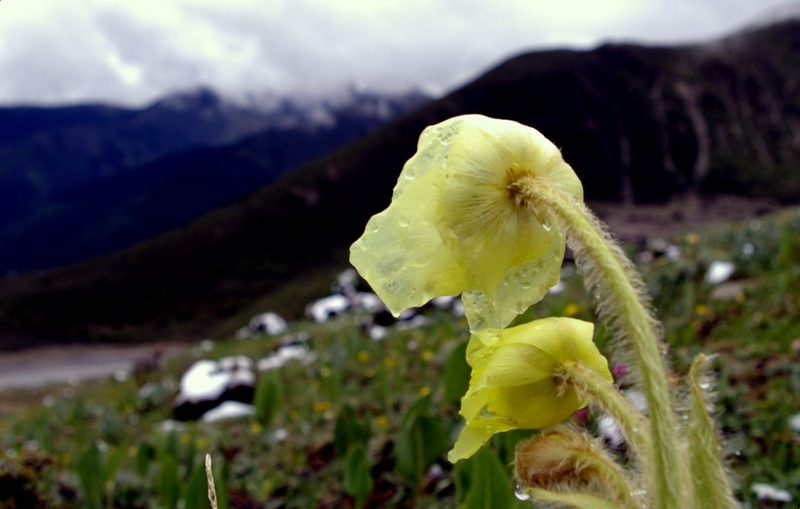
point(130, 52)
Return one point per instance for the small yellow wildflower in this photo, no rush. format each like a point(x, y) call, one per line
point(382, 421)
point(390, 362)
point(571, 309)
point(363, 357)
point(427, 355)
point(458, 223)
point(321, 406)
point(514, 378)
point(425, 391)
point(700, 310)
point(256, 427)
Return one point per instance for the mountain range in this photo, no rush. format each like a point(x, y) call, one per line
point(82, 181)
point(638, 124)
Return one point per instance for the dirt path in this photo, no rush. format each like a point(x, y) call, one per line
point(40, 366)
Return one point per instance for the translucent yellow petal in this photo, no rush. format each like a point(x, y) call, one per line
point(433, 151)
point(521, 287)
point(565, 339)
point(469, 441)
point(510, 259)
point(402, 256)
point(534, 406)
point(514, 364)
point(473, 233)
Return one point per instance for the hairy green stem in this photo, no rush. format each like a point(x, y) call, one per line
point(622, 303)
point(712, 489)
point(602, 394)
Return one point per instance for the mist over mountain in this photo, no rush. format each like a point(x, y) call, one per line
point(638, 124)
point(81, 181)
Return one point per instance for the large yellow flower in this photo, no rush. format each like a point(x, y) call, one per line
point(458, 225)
point(515, 378)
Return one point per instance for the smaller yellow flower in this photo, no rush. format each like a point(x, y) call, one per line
point(321, 406)
point(515, 382)
point(382, 421)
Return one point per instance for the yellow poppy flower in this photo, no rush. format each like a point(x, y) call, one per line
point(458, 225)
point(515, 378)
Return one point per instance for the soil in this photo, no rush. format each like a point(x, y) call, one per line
point(40, 366)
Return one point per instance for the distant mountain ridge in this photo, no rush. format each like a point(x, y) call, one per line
point(85, 180)
point(636, 123)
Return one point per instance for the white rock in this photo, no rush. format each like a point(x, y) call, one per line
point(368, 302)
point(768, 492)
point(719, 271)
point(270, 322)
point(557, 288)
point(285, 354)
point(609, 430)
point(229, 410)
point(377, 332)
point(327, 307)
point(794, 423)
point(205, 380)
point(443, 301)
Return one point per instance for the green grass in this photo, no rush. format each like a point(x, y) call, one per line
point(104, 443)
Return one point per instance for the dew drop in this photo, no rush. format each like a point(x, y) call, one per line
point(375, 228)
point(486, 414)
point(546, 225)
point(519, 492)
point(403, 222)
point(410, 175)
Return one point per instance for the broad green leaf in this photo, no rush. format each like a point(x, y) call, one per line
point(357, 476)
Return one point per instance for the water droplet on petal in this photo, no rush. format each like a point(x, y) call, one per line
point(519, 492)
point(403, 222)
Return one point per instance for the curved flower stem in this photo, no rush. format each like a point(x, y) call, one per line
point(712, 488)
point(605, 396)
point(622, 303)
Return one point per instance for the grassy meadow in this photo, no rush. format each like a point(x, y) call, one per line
point(365, 423)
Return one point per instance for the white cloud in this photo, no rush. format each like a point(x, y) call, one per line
point(132, 52)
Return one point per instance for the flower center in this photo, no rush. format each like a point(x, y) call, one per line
point(518, 182)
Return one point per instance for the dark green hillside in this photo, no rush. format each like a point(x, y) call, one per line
point(635, 122)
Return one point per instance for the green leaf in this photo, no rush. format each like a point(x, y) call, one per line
point(91, 473)
point(169, 488)
point(348, 431)
point(196, 495)
point(421, 440)
point(357, 476)
point(456, 373)
point(267, 397)
point(490, 485)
